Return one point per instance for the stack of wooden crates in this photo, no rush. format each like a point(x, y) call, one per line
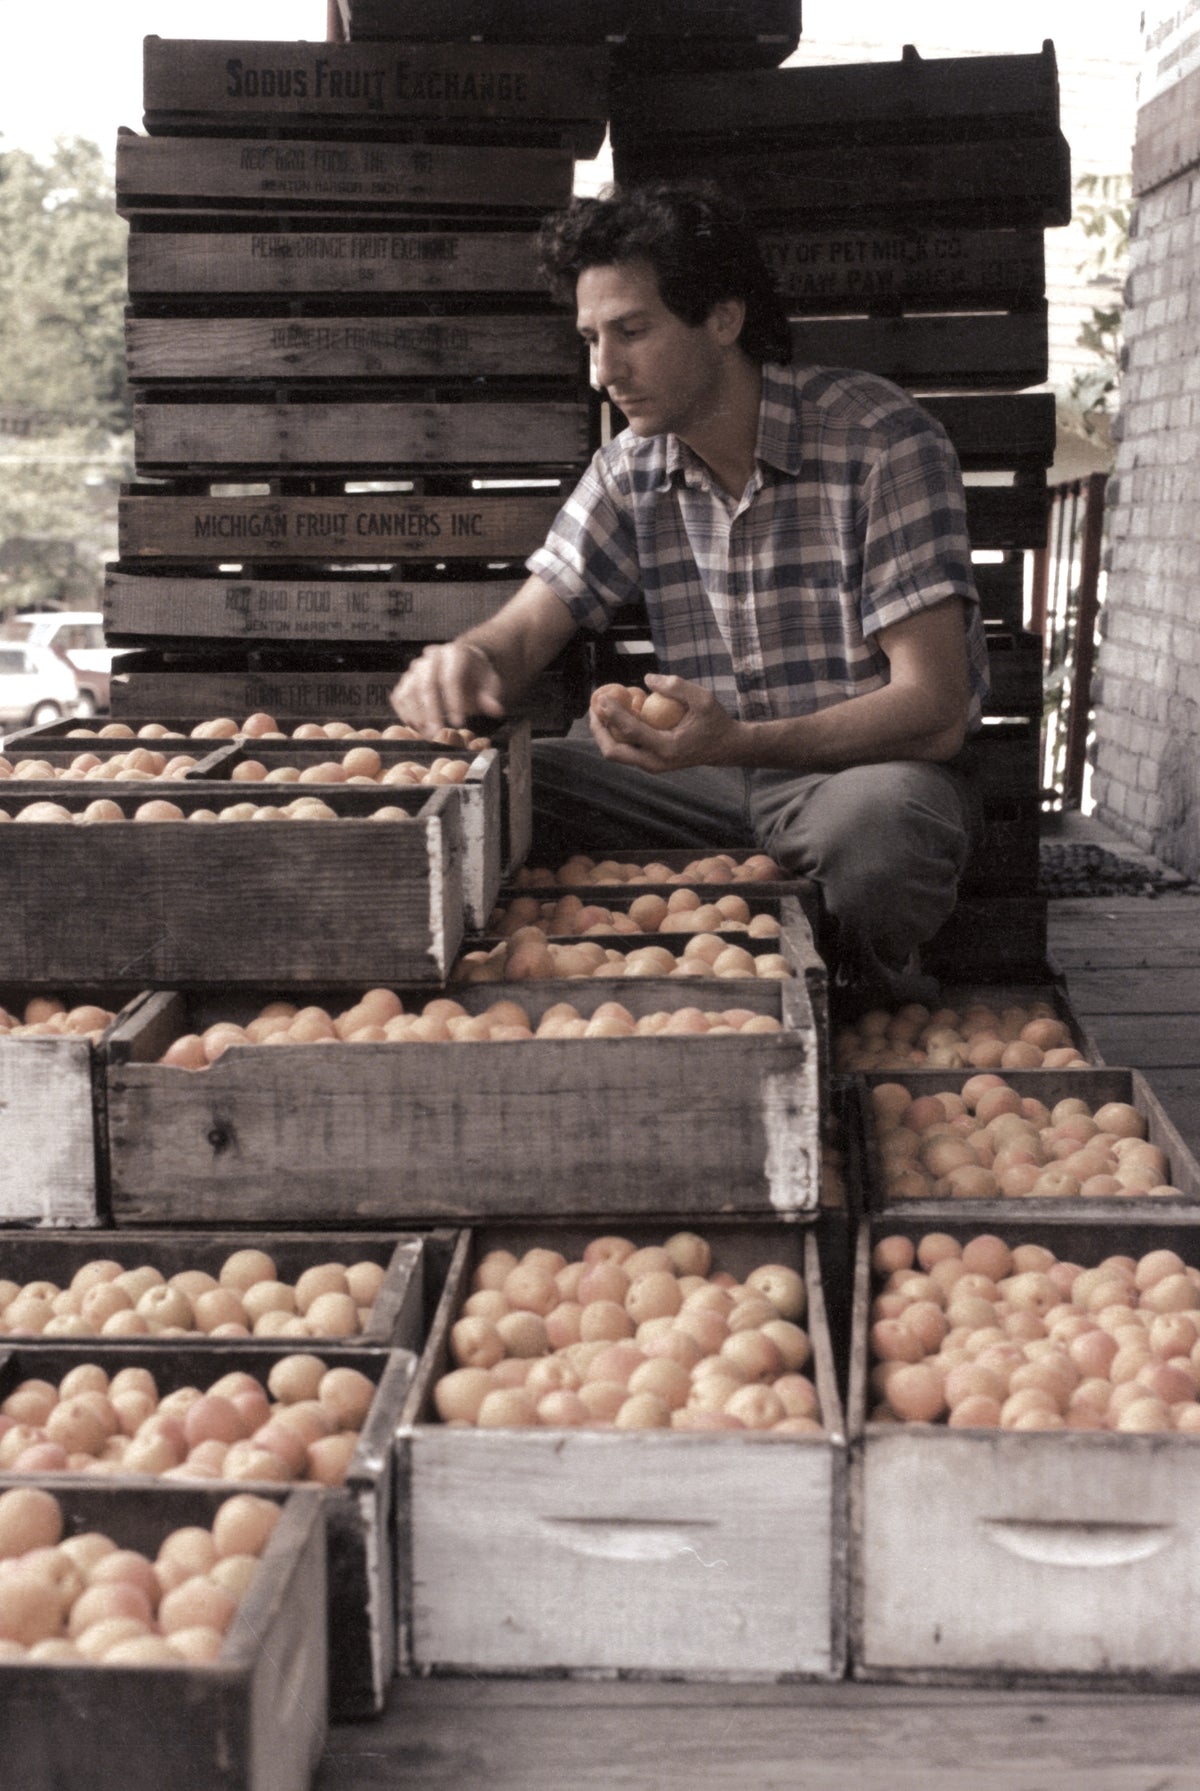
point(902, 207)
point(355, 411)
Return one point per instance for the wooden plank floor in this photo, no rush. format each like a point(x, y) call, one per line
point(1132, 966)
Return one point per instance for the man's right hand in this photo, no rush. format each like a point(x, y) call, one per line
point(448, 684)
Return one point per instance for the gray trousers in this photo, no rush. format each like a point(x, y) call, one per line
point(885, 843)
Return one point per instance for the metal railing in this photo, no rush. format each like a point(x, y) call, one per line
point(1064, 604)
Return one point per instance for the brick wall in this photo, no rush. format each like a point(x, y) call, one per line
point(1146, 768)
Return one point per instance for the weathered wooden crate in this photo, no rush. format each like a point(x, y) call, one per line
point(1000, 1557)
point(1003, 766)
point(346, 527)
point(53, 1141)
point(505, 93)
point(1095, 1086)
point(480, 798)
point(925, 352)
point(580, 1551)
point(255, 1720)
point(676, 859)
point(498, 807)
point(360, 1551)
point(364, 1133)
point(463, 346)
point(59, 750)
point(1048, 987)
point(910, 266)
point(1001, 587)
point(169, 901)
point(1021, 184)
point(795, 942)
point(949, 98)
point(991, 432)
point(173, 434)
point(289, 178)
point(509, 740)
point(363, 256)
point(397, 1318)
point(322, 685)
point(1009, 517)
point(313, 604)
point(999, 938)
point(675, 33)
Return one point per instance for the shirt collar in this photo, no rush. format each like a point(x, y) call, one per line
point(777, 445)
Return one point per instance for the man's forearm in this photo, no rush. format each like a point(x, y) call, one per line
point(881, 725)
point(521, 639)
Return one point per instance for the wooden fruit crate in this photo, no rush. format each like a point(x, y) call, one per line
point(362, 1133)
point(497, 798)
point(498, 94)
point(360, 1551)
point(595, 1552)
point(910, 266)
point(254, 1720)
point(178, 434)
point(1022, 183)
point(53, 1141)
point(990, 939)
point(397, 1321)
point(314, 604)
point(997, 1557)
point(795, 942)
point(377, 901)
point(370, 256)
point(292, 686)
point(923, 353)
point(509, 740)
point(479, 797)
point(675, 33)
point(949, 99)
point(1095, 1086)
point(253, 178)
point(1049, 987)
point(279, 345)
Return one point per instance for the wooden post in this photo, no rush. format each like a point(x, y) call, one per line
point(1080, 705)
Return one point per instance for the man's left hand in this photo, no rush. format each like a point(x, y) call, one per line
point(703, 735)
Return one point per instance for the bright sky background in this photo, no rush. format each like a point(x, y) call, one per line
point(74, 67)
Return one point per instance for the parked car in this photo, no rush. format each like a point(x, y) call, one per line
point(78, 636)
point(36, 685)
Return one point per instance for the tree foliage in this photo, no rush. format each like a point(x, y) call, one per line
point(1104, 206)
point(62, 288)
point(64, 413)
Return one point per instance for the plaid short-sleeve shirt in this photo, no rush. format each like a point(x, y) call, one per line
point(853, 519)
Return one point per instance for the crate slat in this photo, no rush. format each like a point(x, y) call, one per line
point(600, 1545)
point(320, 606)
point(383, 346)
point(375, 257)
point(910, 265)
point(1095, 1531)
point(253, 1721)
point(931, 353)
point(194, 82)
point(352, 526)
point(1016, 183)
point(173, 437)
point(652, 1125)
point(237, 903)
point(957, 97)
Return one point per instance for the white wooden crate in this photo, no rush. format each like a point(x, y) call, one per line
point(984, 1556)
point(709, 1556)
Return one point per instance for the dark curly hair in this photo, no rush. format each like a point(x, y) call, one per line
point(699, 245)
